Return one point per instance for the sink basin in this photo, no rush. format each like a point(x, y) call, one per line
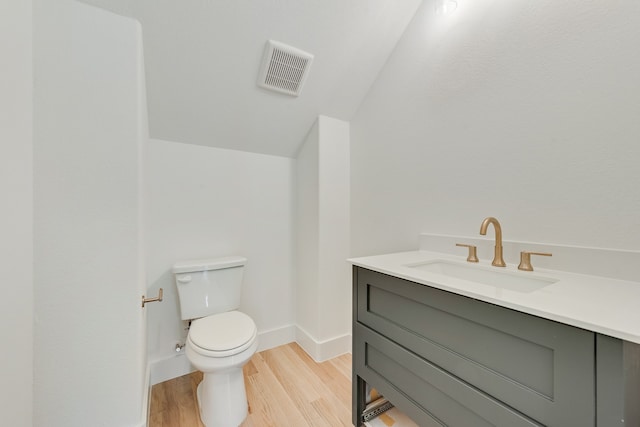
point(513, 281)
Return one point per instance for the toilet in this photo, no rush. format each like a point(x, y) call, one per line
point(221, 340)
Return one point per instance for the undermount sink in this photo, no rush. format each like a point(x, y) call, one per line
point(513, 281)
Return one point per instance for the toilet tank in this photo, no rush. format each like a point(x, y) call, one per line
point(209, 286)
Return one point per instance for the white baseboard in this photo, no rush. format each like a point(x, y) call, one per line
point(178, 365)
point(169, 368)
point(323, 350)
point(276, 337)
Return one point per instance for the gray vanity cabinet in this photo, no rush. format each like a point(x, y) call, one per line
point(449, 360)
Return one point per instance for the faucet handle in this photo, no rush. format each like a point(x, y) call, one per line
point(472, 257)
point(525, 259)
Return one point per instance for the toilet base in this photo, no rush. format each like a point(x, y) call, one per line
point(222, 398)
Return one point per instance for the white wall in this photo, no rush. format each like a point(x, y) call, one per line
point(334, 231)
point(16, 230)
point(207, 202)
point(89, 331)
point(307, 238)
point(323, 291)
point(527, 111)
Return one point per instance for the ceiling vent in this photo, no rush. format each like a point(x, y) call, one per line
point(284, 68)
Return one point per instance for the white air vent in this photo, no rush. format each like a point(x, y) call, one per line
point(284, 68)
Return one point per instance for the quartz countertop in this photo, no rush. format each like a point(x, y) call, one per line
point(599, 304)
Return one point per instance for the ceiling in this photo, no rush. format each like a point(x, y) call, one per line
point(202, 59)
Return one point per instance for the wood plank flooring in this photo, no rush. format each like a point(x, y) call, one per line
point(285, 387)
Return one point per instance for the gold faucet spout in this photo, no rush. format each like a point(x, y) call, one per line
point(498, 261)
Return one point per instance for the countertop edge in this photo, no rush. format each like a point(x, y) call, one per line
point(395, 265)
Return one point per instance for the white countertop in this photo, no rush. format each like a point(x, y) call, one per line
point(599, 304)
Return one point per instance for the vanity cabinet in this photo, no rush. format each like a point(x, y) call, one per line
point(450, 360)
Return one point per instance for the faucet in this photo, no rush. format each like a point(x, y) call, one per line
point(498, 261)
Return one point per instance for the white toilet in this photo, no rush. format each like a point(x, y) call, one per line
point(221, 339)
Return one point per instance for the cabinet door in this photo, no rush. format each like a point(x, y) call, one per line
point(424, 391)
point(540, 368)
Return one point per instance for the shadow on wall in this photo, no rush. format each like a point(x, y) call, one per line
point(164, 324)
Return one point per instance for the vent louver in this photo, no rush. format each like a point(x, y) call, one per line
point(284, 68)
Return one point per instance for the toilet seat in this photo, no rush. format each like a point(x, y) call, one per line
point(222, 335)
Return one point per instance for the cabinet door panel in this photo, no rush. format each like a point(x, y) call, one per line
point(443, 398)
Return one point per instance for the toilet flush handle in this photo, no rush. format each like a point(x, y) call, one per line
point(184, 279)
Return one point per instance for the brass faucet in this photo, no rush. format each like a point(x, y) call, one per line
point(498, 261)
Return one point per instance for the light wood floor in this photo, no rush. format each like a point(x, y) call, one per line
point(285, 388)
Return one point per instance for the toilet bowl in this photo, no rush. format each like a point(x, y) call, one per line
point(221, 339)
point(220, 345)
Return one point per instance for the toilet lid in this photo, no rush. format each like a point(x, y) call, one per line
point(222, 332)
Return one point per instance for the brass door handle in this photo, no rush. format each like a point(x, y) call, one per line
point(472, 256)
point(154, 299)
point(525, 259)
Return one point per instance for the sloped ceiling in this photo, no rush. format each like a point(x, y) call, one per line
point(202, 59)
